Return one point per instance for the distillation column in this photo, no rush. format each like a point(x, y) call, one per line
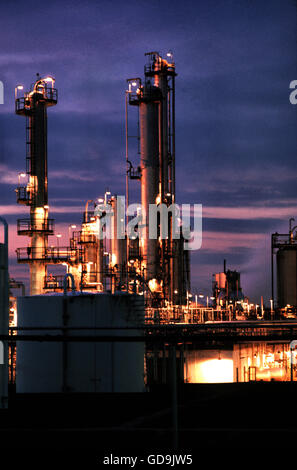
point(163, 259)
point(34, 105)
point(149, 164)
point(163, 74)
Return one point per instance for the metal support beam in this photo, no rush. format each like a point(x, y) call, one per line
point(4, 315)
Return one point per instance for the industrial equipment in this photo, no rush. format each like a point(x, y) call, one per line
point(226, 287)
point(284, 246)
point(163, 261)
point(157, 268)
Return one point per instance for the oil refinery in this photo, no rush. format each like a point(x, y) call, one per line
point(123, 317)
point(157, 267)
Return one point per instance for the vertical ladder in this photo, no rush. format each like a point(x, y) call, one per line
point(28, 146)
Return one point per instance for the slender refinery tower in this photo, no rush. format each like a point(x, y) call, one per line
point(164, 261)
point(33, 105)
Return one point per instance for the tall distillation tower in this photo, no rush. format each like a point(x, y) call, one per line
point(33, 105)
point(164, 262)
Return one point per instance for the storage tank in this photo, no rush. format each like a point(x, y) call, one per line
point(53, 367)
point(286, 259)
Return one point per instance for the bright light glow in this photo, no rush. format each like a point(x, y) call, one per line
point(89, 266)
point(153, 285)
point(58, 235)
point(20, 87)
point(274, 373)
point(134, 83)
point(100, 200)
point(211, 371)
point(39, 211)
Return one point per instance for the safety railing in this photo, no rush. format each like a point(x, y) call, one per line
point(50, 254)
point(80, 237)
point(55, 283)
point(280, 239)
point(23, 195)
point(50, 95)
point(26, 226)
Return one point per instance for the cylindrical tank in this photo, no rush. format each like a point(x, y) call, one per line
point(149, 150)
point(286, 259)
point(44, 367)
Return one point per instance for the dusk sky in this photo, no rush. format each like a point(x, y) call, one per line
point(236, 147)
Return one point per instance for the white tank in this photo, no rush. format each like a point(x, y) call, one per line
point(84, 366)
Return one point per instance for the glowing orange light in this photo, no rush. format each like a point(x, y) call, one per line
point(153, 285)
point(212, 371)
